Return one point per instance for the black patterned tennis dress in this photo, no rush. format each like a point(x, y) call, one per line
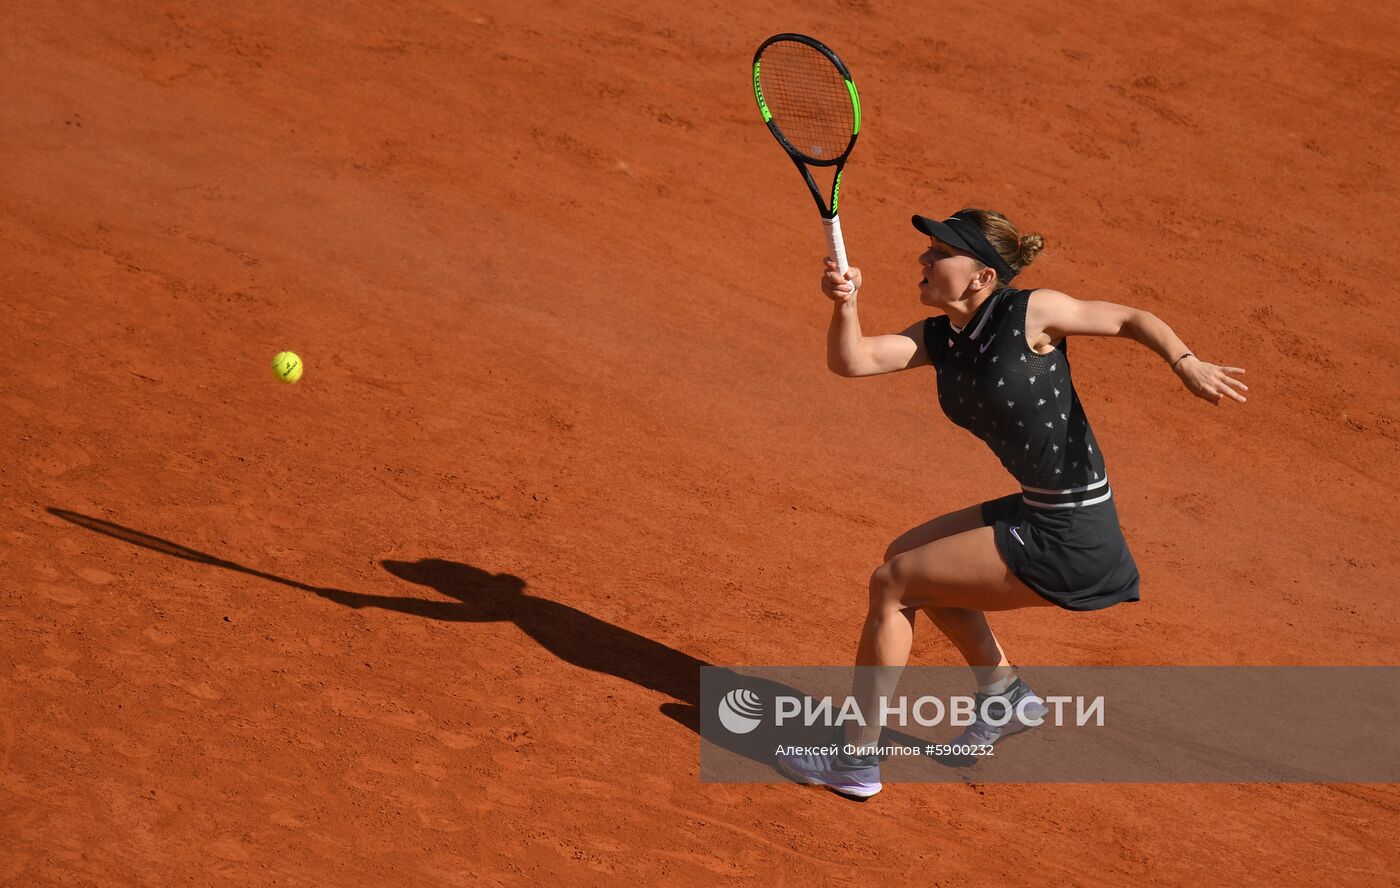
point(1060, 535)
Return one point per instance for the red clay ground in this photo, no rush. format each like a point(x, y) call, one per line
point(556, 292)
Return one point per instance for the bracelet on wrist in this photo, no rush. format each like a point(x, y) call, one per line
point(1182, 358)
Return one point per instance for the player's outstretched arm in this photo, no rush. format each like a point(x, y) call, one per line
point(1060, 315)
point(848, 352)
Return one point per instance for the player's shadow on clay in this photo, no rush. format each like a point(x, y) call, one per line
point(480, 596)
point(576, 637)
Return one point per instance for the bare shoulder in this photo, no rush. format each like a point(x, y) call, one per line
point(1043, 302)
point(1052, 315)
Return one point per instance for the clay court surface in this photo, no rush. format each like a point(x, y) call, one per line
point(434, 615)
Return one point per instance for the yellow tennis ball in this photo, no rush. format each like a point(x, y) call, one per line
point(287, 366)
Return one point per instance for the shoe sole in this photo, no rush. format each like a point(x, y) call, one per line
point(852, 793)
point(808, 780)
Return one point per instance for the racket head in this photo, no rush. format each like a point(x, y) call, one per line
point(807, 97)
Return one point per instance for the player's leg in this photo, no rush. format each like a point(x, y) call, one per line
point(961, 572)
point(967, 629)
point(932, 551)
point(970, 633)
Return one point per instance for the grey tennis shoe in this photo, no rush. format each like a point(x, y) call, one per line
point(855, 776)
point(1026, 707)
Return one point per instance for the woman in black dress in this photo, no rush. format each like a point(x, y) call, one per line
point(1003, 374)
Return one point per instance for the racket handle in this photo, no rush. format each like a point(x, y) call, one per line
point(835, 245)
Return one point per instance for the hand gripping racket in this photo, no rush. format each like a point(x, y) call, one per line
point(810, 104)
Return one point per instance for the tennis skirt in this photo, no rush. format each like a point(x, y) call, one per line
point(1076, 558)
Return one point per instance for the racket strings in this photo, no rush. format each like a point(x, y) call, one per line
point(808, 98)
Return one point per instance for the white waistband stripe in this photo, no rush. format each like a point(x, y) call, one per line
point(1088, 502)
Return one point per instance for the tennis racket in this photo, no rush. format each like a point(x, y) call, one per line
point(810, 104)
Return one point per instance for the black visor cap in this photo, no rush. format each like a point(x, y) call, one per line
point(955, 231)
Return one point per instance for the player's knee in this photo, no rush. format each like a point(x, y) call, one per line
point(885, 586)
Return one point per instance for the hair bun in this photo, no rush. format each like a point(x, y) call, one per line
point(1030, 246)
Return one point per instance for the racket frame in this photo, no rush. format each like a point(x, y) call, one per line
point(831, 221)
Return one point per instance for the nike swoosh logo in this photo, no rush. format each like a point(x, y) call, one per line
point(987, 343)
point(1017, 536)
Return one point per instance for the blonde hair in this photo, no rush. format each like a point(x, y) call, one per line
point(1018, 250)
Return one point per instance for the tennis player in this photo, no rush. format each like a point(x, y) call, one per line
point(1002, 363)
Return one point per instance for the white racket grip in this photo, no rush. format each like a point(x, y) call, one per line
point(835, 245)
